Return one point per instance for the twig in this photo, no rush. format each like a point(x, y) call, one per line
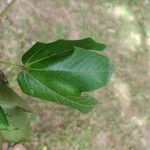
point(7, 8)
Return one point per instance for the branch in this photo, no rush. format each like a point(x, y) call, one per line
point(2, 13)
point(3, 78)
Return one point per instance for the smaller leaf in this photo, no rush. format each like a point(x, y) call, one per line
point(3, 120)
point(19, 126)
point(8, 98)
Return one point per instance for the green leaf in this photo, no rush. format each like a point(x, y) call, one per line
point(3, 120)
point(42, 51)
point(19, 125)
point(8, 98)
point(61, 71)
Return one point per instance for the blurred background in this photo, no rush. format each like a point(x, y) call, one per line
point(122, 121)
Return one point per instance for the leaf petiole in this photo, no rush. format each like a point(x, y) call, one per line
point(10, 64)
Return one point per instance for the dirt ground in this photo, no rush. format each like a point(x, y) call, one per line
point(122, 121)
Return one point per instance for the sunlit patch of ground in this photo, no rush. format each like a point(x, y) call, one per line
point(122, 121)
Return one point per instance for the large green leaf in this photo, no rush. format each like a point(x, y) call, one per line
point(3, 120)
point(8, 98)
point(18, 125)
point(61, 71)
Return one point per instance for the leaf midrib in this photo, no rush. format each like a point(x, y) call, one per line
point(34, 54)
point(44, 57)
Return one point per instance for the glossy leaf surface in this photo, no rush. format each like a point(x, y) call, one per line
point(61, 71)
